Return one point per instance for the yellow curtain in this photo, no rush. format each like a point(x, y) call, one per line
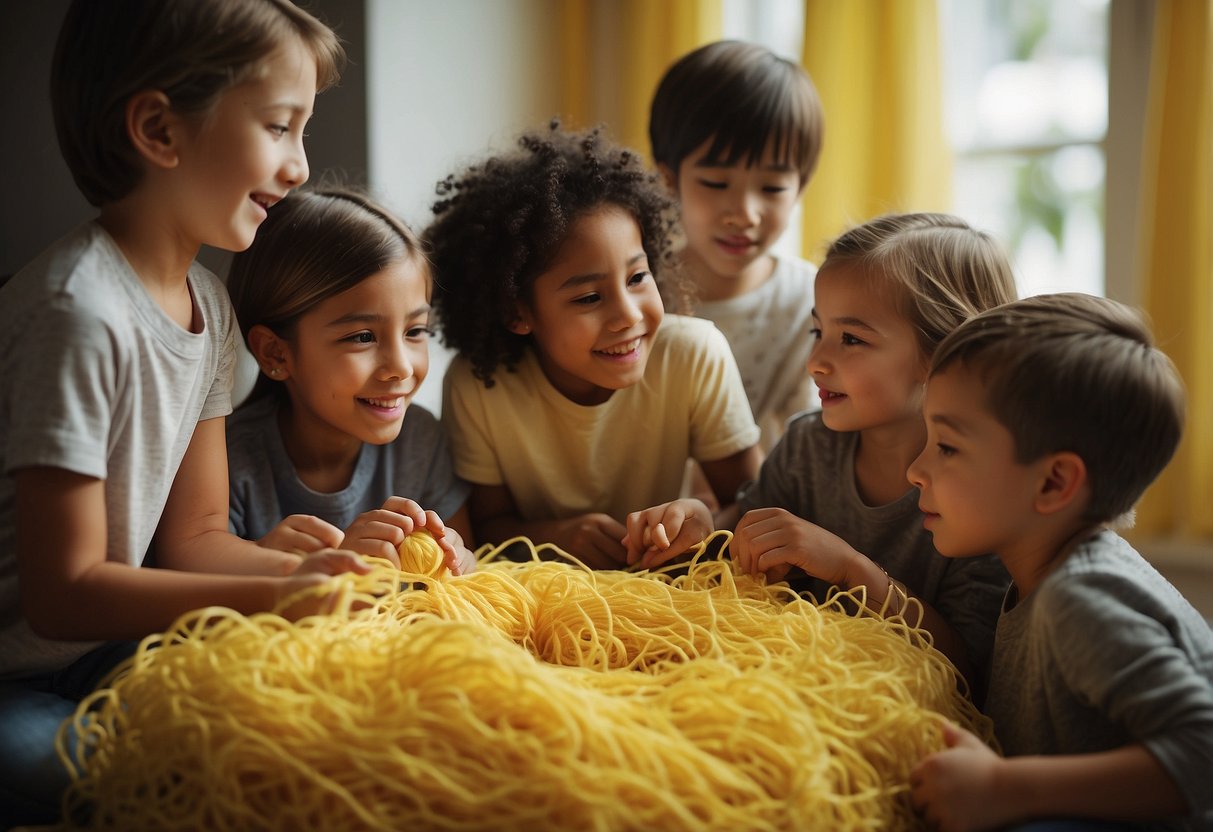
point(1177, 253)
point(876, 65)
point(648, 36)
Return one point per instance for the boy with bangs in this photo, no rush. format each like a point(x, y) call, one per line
point(736, 132)
point(1047, 418)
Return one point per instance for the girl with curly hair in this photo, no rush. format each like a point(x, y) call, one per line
point(575, 401)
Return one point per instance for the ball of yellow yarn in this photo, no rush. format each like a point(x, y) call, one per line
point(420, 554)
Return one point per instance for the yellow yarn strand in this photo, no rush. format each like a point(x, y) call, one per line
point(536, 695)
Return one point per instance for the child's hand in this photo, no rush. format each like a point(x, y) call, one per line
point(658, 534)
point(770, 540)
point(593, 539)
point(302, 534)
point(316, 569)
point(379, 532)
point(456, 556)
point(955, 789)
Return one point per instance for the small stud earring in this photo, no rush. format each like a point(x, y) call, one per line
point(274, 373)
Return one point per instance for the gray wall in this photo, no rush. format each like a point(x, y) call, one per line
point(41, 202)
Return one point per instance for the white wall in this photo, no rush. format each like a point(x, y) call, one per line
point(446, 83)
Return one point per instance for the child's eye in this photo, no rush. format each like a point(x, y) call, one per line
point(637, 278)
point(586, 300)
point(364, 337)
point(815, 333)
point(419, 332)
point(774, 189)
point(279, 129)
point(850, 340)
point(945, 450)
point(716, 186)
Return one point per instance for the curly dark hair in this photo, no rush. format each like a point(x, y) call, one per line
point(499, 223)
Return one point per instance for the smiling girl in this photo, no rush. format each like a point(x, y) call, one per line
point(333, 302)
point(575, 400)
point(831, 507)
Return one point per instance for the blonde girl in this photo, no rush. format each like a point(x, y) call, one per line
point(831, 506)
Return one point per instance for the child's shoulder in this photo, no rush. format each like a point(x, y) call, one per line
point(1105, 579)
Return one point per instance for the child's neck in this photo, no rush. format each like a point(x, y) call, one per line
point(160, 261)
point(1030, 559)
point(711, 286)
point(324, 461)
point(882, 458)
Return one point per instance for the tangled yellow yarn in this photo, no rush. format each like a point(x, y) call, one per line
point(537, 695)
point(419, 553)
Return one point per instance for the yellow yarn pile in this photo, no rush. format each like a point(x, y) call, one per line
point(537, 695)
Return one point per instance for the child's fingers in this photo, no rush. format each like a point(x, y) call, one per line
point(409, 508)
point(433, 523)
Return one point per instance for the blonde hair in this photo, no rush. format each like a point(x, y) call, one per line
point(192, 52)
point(946, 270)
point(1078, 373)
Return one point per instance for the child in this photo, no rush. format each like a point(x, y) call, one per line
point(333, 302)
point(182, 122)
point(736, 131)
point(1046, 420)
point(832, 498)
point(574, 399)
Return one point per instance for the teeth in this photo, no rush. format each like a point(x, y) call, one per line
point(623, 349)
point(383, 402)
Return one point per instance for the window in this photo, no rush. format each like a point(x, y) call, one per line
point(1025, 86)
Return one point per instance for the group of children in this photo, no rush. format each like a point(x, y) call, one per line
point(971, 451)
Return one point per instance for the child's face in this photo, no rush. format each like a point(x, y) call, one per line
point(732, 215)
point(595, 311)
point(247, 152)
point(866, 361)
point(357, 358)
point(975, 497)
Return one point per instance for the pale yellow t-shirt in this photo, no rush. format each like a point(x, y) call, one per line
point(560, 459)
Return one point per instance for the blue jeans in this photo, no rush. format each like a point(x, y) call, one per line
point(32, 778)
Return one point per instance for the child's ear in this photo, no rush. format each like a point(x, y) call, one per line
point(270, 351)
point(1064, 481)
point(668, 176)
point(521, 325)
point(151, 126)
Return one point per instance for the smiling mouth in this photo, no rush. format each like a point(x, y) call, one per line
point(625, 348)
point(385, 404)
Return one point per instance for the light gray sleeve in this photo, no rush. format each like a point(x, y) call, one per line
point(1122, 649)
point(779, 484)
point(64, 394)
point(253, 505)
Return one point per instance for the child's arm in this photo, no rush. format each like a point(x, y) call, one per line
point(193, 532)
point(969, 787)
point(727, 476)
point(594, 539)
point(770, 540)
point(70, 591)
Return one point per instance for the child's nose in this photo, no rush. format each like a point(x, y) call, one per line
point(295, 169)
point(397, 363)
point(743, 210)
point(627, 312)
point(915, 473)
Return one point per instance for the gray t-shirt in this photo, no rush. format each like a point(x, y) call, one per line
point(264, 487)
point(96, 379)
point(811, 473)
point(1103, 654)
